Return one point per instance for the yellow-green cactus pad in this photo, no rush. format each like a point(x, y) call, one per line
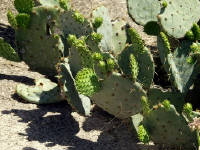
point(24, 6)
point(7, 52)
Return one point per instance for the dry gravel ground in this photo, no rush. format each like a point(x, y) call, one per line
point(26, 126)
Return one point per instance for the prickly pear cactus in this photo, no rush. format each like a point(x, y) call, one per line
point(40, 46)
point(181, 73)
point(167, 127)
point(144, 11)
point(72, 22)
point(157, 95)
point(143, 57)
point(114, 32)
point(67, 83)
point(86, 82)
point(119, 96)
point(7, 52)
point(44, 92)
point(179, 16)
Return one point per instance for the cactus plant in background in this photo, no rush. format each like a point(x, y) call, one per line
point(106, 62)
point(165, 126)
point(175, 24)
point(118, 90)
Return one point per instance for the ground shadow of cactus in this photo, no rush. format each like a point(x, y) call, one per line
point(8, 34)
point(51, 129)
point(16, 78)
point(54, 124)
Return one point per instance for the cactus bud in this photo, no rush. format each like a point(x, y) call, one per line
point(71, 40)
point(97, 22)
point(96, 37)
point(97, 56)
point(110, 64)
point(187, 108)
point(164, 4)
point(190, 60)
point(11, 19)
point(166, 104)
point(196, 31)
point(190, 35)
point(102, 66)
point(79, 17)
point(64, 4)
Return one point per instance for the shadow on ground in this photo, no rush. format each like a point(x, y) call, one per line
point(61, 128)
point(20, 79)
point(8, 34)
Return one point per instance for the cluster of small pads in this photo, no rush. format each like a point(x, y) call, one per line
point(107, 62)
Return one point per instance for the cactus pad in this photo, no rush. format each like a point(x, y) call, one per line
point(11, 19)
point(74, 23)
point(87, 82)
point(175, 63)
point(40, 46)
point(114, 32)
point(119, 96)
point(143, 11)
point(44, 92)
point(157, 95)
point(23, 20)
point(168, 128)
point(79, 102)
point(179, 17)
point(7, 52)
point(24, 6)
point(145, 64)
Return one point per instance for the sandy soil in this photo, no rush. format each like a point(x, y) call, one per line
point(26, 126)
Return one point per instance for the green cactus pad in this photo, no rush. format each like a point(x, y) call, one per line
point(87, 82)
point(157, 95)
point(40, 46)
point(80, 55)
point(119, 96)
point(24, 6)
point(143, 11)
point(182, 74)
point(74, 23)
point(179, 17)
point(44, 92)
point(7, 52)
point(143, 135)
point(79, 102)
point(145, 64)
point(168, 128)
point(11, 19)
point(23, 20)
point(134, 67)
point(136, 40)
point(114, 32)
